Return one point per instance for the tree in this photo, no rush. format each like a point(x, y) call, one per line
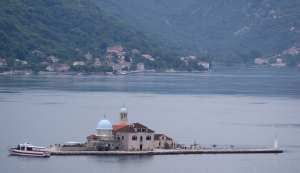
point(166, 145)
point(100, 148)
point(20, 53)
point(127, 59)
point(254, 53)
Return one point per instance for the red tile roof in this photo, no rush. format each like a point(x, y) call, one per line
point(130, 128)
point(116, 127)
point(126, 128)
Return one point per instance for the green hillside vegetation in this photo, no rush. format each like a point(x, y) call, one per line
point(67, 29)
point(222, 27)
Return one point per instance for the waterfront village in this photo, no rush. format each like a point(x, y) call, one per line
point(115, 59)
point(119, 63)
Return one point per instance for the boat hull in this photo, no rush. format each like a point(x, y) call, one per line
point(14, 151)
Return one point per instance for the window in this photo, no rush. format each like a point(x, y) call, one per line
point(134, 138)
point(162, 137)
point(138, 130)
point(141, 138)
point(118, 138)
point(122, 137)
point(148, 138)
point(158, 144)
point(143, 130)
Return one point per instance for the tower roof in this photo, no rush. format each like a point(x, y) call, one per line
point(123, 110)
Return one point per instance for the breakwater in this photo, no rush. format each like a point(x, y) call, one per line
point(169, 152)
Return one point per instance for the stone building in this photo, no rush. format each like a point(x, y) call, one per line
point(163, 141)
point(140, 67)
point(127, 137)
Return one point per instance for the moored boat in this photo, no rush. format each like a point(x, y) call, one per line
point(27, 149)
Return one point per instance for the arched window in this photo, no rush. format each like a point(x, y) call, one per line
point(148, 138)
point(134, 138)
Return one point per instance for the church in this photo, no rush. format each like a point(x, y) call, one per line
point(127, 137)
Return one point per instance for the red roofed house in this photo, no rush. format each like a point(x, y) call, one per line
point(126, 137)
point(260, 61)
point(44, 63)
point(109, 56)
point(121, 53)
point(114, 49)
point(125, 64)
point(292, 51)
point(204, 64)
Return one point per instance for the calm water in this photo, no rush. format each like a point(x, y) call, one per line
point(245, 107)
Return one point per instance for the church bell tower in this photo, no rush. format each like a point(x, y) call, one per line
point(123, 116)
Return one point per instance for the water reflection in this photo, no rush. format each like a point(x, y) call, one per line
point(121, 158)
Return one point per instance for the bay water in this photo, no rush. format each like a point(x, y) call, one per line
point(244, 107)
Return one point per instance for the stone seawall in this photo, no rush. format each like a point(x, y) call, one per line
point(168, 152)
point(66, 149)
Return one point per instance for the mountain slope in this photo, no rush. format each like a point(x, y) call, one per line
point(192, 26)
point(64, 28)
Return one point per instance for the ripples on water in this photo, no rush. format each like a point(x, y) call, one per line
point(245, 107)
point(268, 82)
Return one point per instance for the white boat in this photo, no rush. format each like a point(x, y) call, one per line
point(27, 149)
point(122, 73)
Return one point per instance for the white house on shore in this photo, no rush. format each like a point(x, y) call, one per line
point(140, 66)
point(58, 67)
point(148, 57)
point(204, 64)
point(78, 63)
point(261, 61)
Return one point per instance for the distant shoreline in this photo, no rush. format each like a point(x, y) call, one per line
point(23, 72)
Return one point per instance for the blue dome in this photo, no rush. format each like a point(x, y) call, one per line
point(123, 110)
point(104, 125)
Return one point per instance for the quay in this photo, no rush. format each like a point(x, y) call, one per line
point(168, 152)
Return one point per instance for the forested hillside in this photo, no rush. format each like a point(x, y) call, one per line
point(192, 26)
point(67, 29)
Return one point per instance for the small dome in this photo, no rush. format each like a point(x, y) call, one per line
point(123, 110)
point(104, 125)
